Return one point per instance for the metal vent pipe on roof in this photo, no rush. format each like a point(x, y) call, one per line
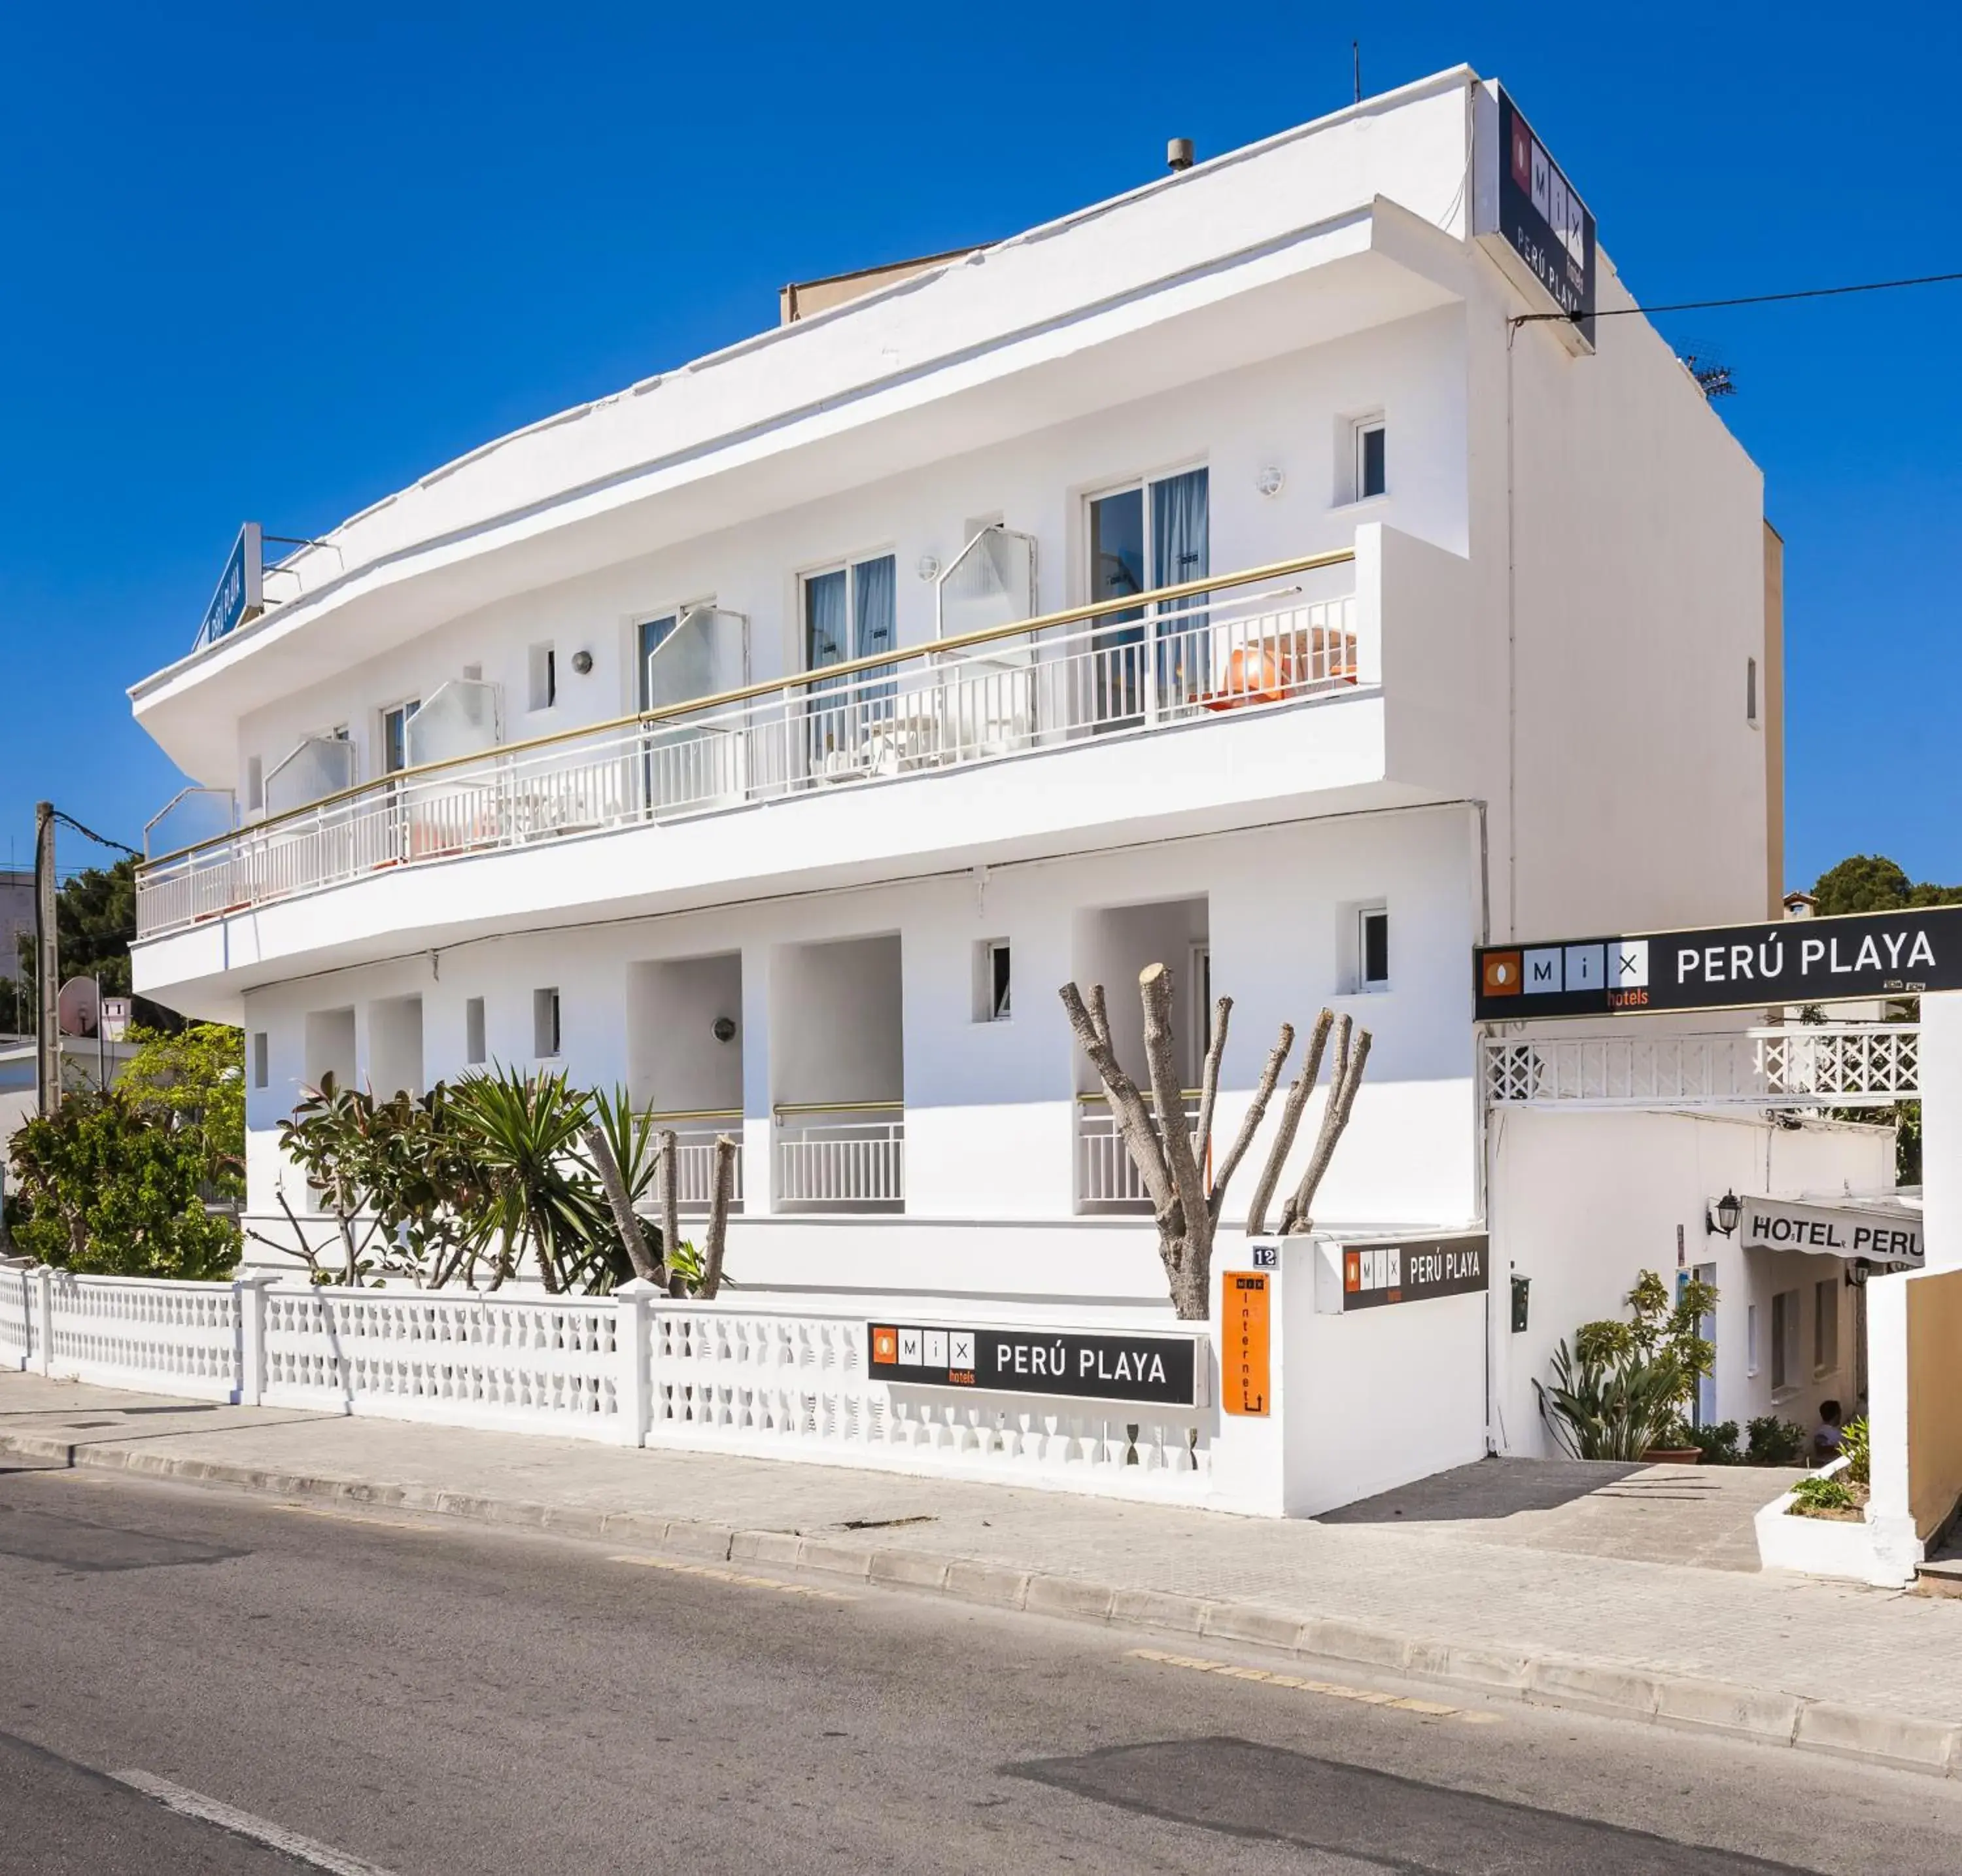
point(1178, 153)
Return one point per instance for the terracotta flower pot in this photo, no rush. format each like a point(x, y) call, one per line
point(1673, 1455)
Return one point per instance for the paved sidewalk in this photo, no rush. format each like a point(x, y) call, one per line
point(1424, 1582)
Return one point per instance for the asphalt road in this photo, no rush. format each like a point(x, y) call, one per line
point(190, 1681)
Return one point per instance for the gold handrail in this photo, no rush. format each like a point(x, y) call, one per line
point(829, 674)
point(784, 1109)
point(1097, 1095)
point(696, 1113)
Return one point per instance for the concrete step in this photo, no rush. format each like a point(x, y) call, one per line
point(1941, 1574)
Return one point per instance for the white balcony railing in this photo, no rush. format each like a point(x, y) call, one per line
point(1246, 641)
point(849, 1156)
point(695, 1134)
point(1106, 1179)
point(1853, 1065)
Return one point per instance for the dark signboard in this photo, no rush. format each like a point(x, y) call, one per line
point(1863, 956)
point(238, 597)
point(1532, 217)
point(1414, 1269)
point(1158, 1370)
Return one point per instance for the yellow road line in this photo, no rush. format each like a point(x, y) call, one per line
point(736, 1577)
point(1302, 1683)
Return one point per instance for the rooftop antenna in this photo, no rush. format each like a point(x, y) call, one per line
point(1356, 55)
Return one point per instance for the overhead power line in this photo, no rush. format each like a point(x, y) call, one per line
point(1746, 299)
point(102, 840)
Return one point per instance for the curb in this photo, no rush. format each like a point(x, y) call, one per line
point(1869, 1735)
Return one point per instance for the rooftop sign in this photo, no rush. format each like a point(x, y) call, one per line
point(1529, 218)
point(238, 597)
point(1863, 956)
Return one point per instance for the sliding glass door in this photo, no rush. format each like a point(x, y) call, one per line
point(1148, 659)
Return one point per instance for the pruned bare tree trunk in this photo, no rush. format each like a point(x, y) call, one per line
point(668, 1184)
point(1187, 1201)
point(620, 1202)
point(720, 1196)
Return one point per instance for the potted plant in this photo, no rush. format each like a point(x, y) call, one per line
point(1624, 1389)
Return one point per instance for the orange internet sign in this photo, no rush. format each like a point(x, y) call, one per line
point(1246, 1386)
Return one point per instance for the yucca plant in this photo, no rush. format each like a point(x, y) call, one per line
point(1624, 1387)
point(524, 1133)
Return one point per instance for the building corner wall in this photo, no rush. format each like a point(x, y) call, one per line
point(1771, 711)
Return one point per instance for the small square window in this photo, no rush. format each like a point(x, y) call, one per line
point(545, 1023)
point(544, 677)
point(261, 1060)
point(992, 981)
point(1372, 476)
point(474, 1053)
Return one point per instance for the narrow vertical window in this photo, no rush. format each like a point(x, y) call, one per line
point(544, 672)
point(998, 981)
point(474, 1053)
point(545, 1023)
point(1371, 470)
point(395, 736)
point(1750, 690)
point(255, 785)
point(1751, 1339)
point(261, 1060)
point(1372, 948)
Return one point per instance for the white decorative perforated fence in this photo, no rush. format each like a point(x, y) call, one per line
point(130, 1332)
point(17, 1316)
point(793, 1384)
point(525, 1364)
point(637, 1368)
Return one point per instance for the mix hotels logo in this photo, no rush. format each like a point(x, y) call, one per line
point(1866, 955)
point(1162, 1369)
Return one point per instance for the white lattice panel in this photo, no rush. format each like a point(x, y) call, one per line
point(132, 1332)
point(1803, 1066)
point(529, 1364)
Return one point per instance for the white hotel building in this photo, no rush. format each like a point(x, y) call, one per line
point(1478, 638)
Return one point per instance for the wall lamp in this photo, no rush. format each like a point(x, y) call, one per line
point(723, 1029)
point(1730, 1209)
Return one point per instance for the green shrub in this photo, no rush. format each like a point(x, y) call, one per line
point(1623, 1387)
point(1774, 1442)
point(1718, 1444)
point(1856, 1445)
point(1819, 1493)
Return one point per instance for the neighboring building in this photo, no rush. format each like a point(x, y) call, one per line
point(1478, 639)
point(17, 920)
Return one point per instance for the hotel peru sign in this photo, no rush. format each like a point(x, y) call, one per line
point(1106, 1365)
point(1863, 956)
point(1530, 219)
point(1839, 1230)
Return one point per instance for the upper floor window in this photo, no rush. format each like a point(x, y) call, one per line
point(648, 636)
point(543, 675)
point(395, 735)
point(850, 612)
point(1152, 535)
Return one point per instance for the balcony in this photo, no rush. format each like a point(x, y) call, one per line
point(1107, 1183)
point(845, 1156)
point(1232, 646)
point(695, 1134)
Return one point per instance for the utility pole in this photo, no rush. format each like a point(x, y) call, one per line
point(47, 966)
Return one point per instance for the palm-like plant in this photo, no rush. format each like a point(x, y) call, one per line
point(524, 1132)
point(1624, 1387)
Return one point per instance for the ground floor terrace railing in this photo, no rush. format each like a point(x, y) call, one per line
point(1178, 654)
point(1106, 1176)
point(1800, 1066)
point(696, 1131)
point(635, 1368)
point(846, 1156)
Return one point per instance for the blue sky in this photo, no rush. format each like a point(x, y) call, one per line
point(275, 263)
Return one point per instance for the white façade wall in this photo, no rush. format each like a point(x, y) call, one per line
point(990, 1107)
point(1582, 1203)
point(1633, 522)
point(1290, 414)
